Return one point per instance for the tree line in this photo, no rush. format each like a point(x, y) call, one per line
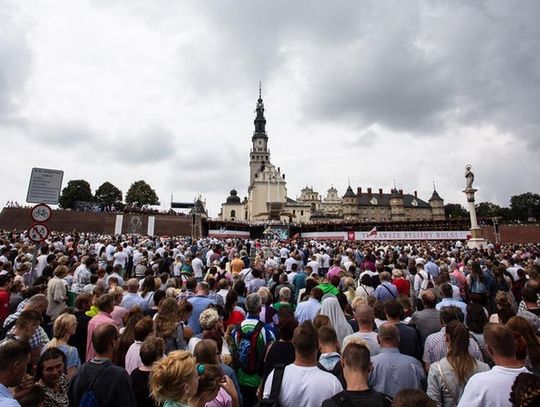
point(523, 207)
point(107, 195)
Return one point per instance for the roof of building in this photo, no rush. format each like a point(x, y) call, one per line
point(349, 193)
point(364, 199)
point(233, 198)
point(435, 196)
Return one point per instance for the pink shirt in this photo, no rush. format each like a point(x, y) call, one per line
point(133, 357)
point(222, 399)
point(118, 315)
point(334, 271)
point(100, 319)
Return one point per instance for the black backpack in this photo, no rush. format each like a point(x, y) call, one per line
point(5, 330)
point(273, 399)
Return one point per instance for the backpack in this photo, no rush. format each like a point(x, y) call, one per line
point(343, 400)
point(89, 398)
point(5, 330)
point(272, 399)
point(220, 276)
point(246, 348)
point(426, 283)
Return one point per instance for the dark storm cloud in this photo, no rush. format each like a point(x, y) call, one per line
point(421, 67)
point(434, 67)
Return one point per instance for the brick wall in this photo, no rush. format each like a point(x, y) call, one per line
point(67, 221)
point(529, 233)
point(103, 223)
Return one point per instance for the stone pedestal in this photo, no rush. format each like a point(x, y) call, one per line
point(476, 241)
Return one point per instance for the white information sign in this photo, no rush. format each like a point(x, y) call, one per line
point(45, 185)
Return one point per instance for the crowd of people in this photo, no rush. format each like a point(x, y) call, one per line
point(129, 320)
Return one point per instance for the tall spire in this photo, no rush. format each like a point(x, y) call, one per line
point(260, 121)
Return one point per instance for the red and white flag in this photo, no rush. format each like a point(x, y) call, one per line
point(372, 232)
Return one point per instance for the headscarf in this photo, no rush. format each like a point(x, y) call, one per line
point(330, 307)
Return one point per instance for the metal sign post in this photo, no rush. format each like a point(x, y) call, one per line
point(38, 232)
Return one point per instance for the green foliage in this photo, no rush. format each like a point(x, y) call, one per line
point(141, 193)
point(454, 211)
point(76, 190)
point(525, 206)
point(488, 210)
point(108, 195)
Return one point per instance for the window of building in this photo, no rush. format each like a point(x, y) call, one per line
point(233, 214)
point(302, 213)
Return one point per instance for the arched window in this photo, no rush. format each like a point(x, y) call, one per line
point(233, 213)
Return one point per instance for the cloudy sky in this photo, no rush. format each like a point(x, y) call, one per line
point(371, 91)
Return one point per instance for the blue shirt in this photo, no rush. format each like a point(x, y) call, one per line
point(132, 299)
point(450, 302)
point(386, 291)
point(432, 269)
point(6, 398)
point(393, 372)
point(200, 303)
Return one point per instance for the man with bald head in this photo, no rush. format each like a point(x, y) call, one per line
point(364, 317)
point(392, 371)
point(131, 297)
point(428, 320)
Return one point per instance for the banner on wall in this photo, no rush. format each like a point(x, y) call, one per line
point(398, 235)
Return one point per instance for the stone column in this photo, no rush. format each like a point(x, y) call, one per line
point(476, 240)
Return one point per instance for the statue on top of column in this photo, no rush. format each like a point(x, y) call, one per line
point(469, 176)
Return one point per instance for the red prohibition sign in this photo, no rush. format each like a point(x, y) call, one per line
point(41, 213)
point(38, 232)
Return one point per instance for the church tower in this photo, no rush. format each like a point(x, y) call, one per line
point(259, 154)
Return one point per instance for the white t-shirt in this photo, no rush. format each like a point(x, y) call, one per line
point(41, 263)
point(325, 261)
point(491, 388)
point(197, 266)
point(304, 386)
point(120, 258)
point(314, 266)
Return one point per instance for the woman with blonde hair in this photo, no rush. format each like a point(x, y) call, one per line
point(119, 313)
point(64, 327)
point(168, 325)
point(349, 289)
point(447, 378)
point(174, 379)
point(57, 292)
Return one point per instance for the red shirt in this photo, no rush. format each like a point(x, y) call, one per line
point(4, 304)
point(403, 286)
point(235, 318)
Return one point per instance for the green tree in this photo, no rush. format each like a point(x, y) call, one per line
point(452, 210)
point(525, 206)
point(141, 193)
point(488, 210)
point(76, 190)
point(108, 195)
